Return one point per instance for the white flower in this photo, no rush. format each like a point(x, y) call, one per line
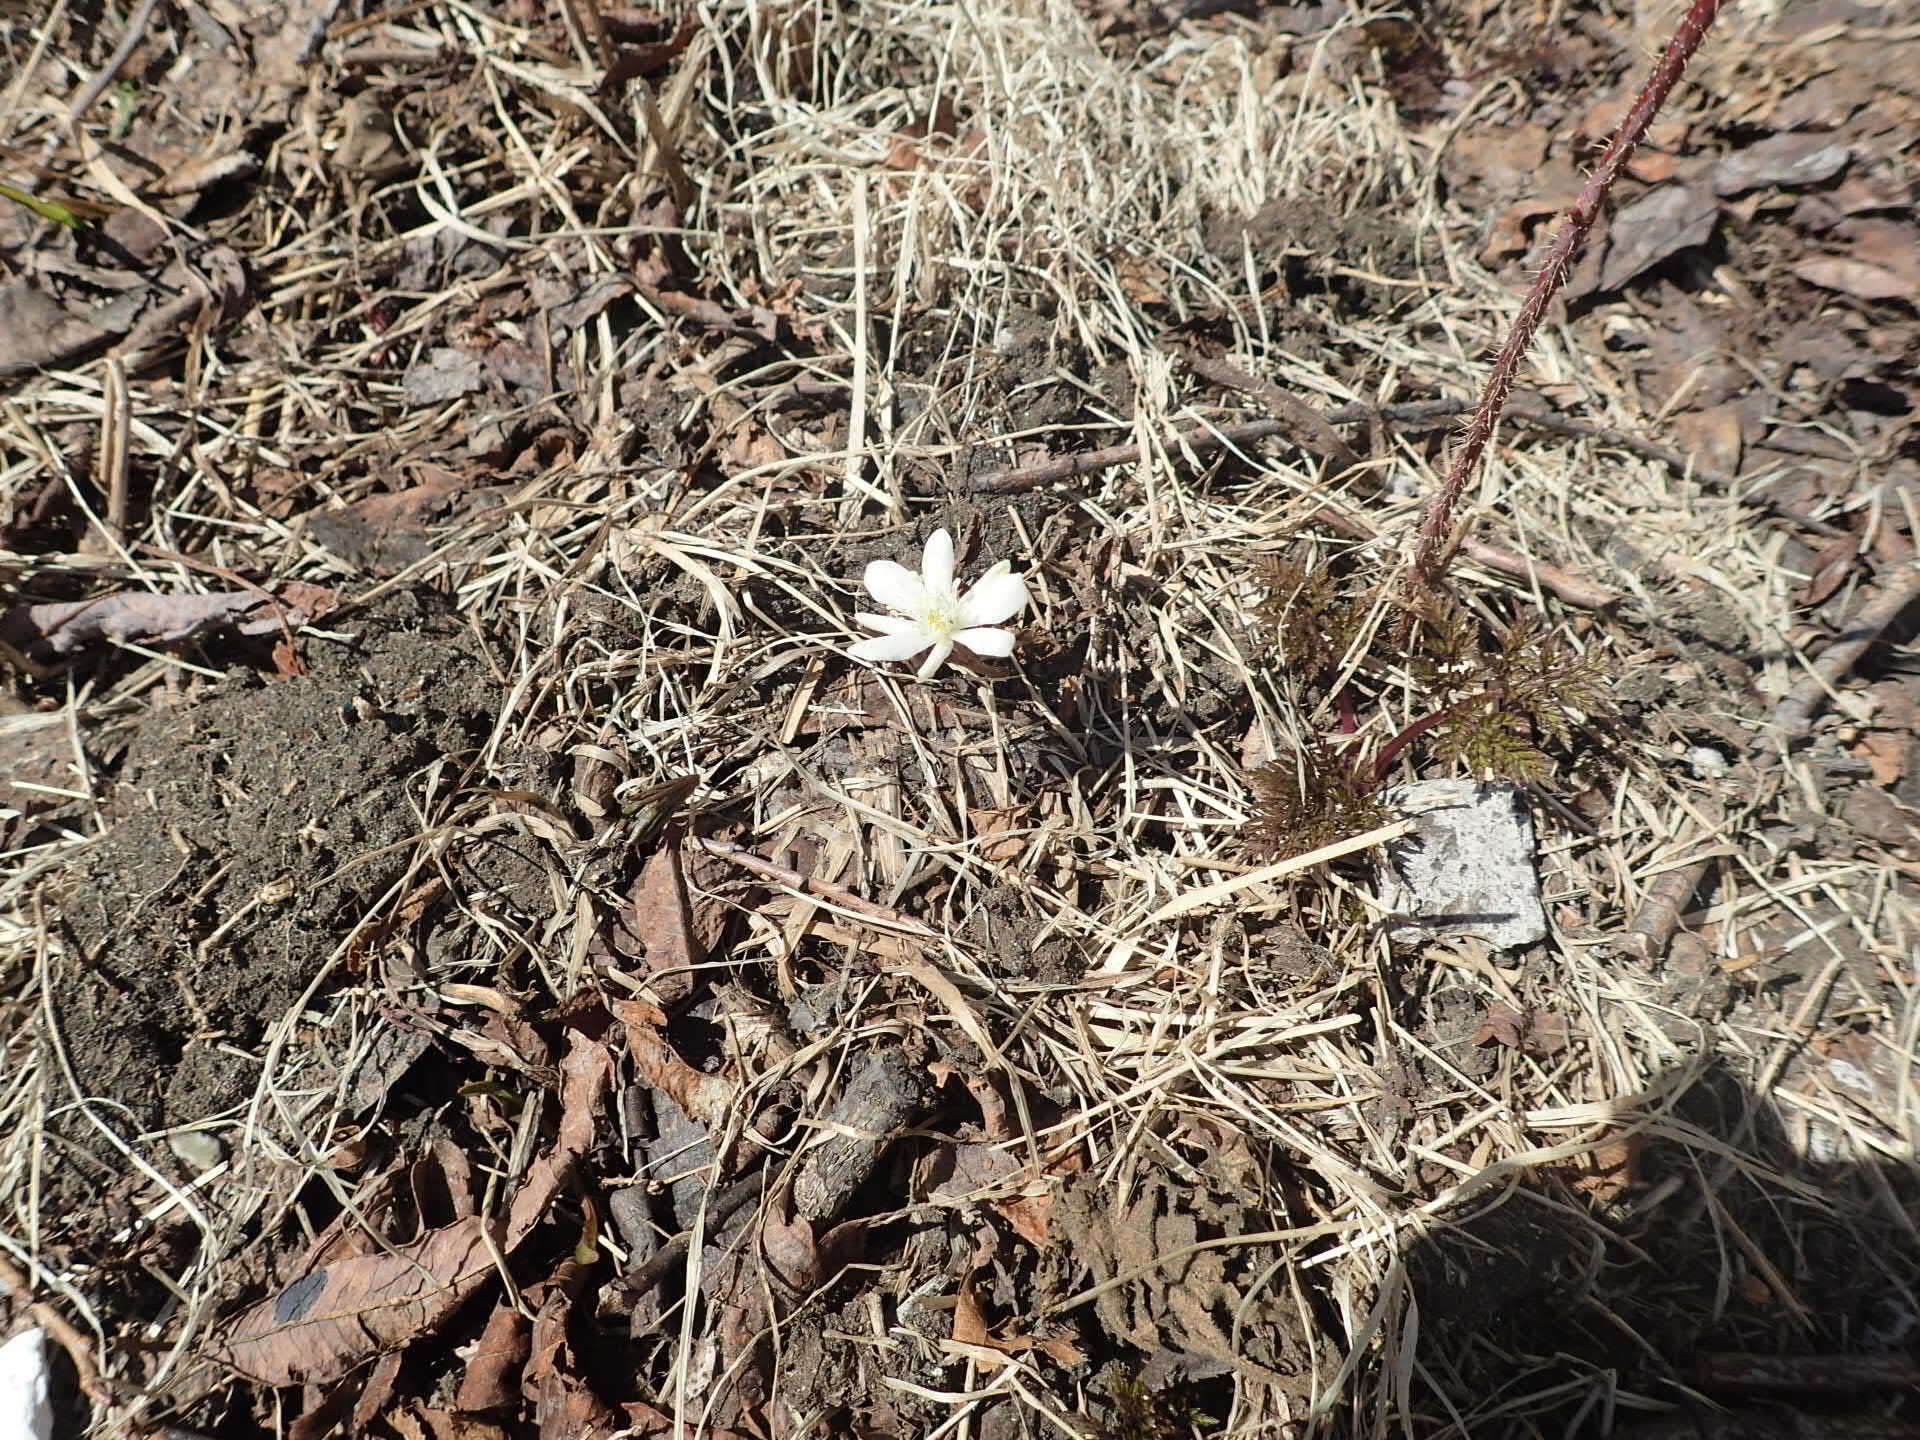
point(933, 615)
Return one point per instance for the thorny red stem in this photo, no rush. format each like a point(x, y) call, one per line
point(1373, 777)
point(1436, 527)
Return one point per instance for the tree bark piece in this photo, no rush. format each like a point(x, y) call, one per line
point(887, 1093)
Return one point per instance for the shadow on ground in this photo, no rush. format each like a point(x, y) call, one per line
point(1728, 1271)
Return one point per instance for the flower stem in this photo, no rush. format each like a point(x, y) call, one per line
point(1431, 551)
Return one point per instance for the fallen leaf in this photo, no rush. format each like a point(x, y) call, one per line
point(969, 1322)
point(970, 1328)
point(1713, 437)
point(38, 331)
point(331, 1321)
point(42, 328)
point(1143, 281)
point(44, 631)
point(446, 374)
point(1511, 232)
point(420, 1423)
point(1886, 754)
point(565, 1406)
point(1658, 225)
point(1891, 244)
point(1532, 1032)
point(204, 171)
point(491, 1381)
point(1857, 278)
point(660, 917)
point(704, 1098)
point(998, 831)
point(385, 533)
point(1652, 167)
point(1031, 1217)
point(372, 1394)
point(1607, 1172)
point(1837, 559)
point(1792, 160)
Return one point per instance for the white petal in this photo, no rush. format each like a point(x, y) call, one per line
point(936, 565)
point(893, 624)
point(938, 658)
point(26, 1405)
point(995, 597)
point(884, 649)
point(987, 642)
point(896, 587)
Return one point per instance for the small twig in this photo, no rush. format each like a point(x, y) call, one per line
point(720, 1209)
point(1569, 587)
point(1317, 430)
point(1651, 929)
point(839, 895)
point(57, 1326)
point(1793, 716)
point(129, 42)
point(1717, 1370)
point(1203, 441)
point(1659, 914)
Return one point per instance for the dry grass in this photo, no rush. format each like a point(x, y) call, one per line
point(665, 591)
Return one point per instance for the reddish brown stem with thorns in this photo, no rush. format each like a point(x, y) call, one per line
point(1436, 527)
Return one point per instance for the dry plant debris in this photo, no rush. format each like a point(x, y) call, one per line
point(480, 958)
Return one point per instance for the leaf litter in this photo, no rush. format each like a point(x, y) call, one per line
point(669, 1028)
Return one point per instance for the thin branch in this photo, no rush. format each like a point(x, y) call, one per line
point(1436, 529)
point(1202, 441)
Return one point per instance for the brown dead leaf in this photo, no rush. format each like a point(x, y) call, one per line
point(970, 1328)
point(756, 321)
point(998, 831)
point(1511, 232)
point(1837, 559)
point(1532, 1032)
point(1661, 223)
point(1858, 278)
point(969, 1321)
point(1143, 281)
point(204, 171)
point(586, 1076)
point(1505, 159)
point(1652, 167)
point(372, 1394)
point(43, 325)
point(642, 56)
point(660, 916)
point(1792, 160)
point(45, 631)
point(1031, 1217)
point(491, 1381)
point(331, 1321)
point(1886, 754)
point(704, 1098)
point(1607, 1172)
point(385, 533)
point(565, 1406)
point(39, 330)
point(446, 374)
point(420, 1423)
point(1713, 436)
